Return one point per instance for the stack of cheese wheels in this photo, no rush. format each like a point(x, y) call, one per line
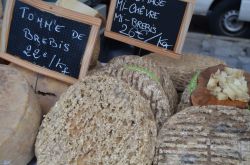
point(205, 135)
point(99, 120)
point(20, 117)
point(181, 70)
point(145, 76)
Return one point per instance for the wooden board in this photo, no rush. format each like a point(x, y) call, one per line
point(158, 26)
point(48, 39)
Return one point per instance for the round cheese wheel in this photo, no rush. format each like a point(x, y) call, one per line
point(182, 70)
point(20, 117)
point(150, 72)
point(99, 120)
point(205, 135)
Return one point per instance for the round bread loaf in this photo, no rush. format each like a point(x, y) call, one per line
point(99, 120)
point(205, 135)
point(151, 72)
point(20, 118)
point(182, 70)
point(185, 100)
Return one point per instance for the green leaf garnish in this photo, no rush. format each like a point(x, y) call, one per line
point(144, 71)
point(193, 82)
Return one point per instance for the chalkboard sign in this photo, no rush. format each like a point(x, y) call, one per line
point(156, 25)
point(56, 42)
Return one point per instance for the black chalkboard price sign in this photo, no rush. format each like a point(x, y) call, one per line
point(48, 39)
point(156, 25)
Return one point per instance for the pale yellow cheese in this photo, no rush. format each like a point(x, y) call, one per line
point(20, 118)
point(77, 6)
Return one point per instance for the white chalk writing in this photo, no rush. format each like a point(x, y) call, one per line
point(48, 42)
point(50, 25)
point(134, 26)
point(55, 61)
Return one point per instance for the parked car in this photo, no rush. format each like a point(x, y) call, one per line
point(226, 17)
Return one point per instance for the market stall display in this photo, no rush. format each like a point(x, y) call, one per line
point(126, 111)
point(20, 117)
point(99, 120)
point(205, 135)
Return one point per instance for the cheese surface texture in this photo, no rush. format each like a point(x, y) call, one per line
point(20, 117)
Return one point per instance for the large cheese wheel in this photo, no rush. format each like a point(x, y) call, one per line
point(99, 120)
point(152, 71)
point(205, 136)
point(29, 75)
point(182, 70)
point(20, 117)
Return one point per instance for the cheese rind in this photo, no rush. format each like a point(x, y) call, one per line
point(205, 135)
point(99, 120)
point(20, 117)
point(145, 76)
